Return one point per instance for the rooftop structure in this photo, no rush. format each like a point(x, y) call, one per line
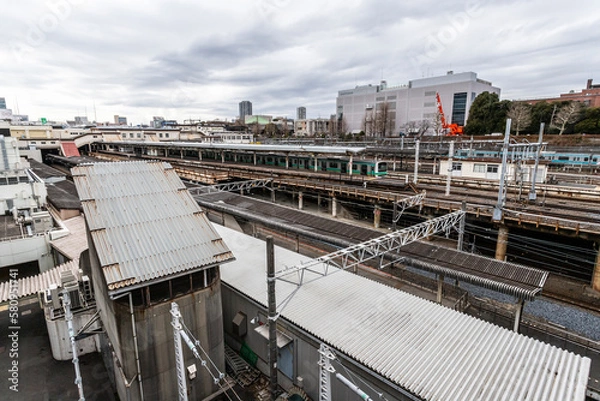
point(151, 245)
point(412, 348)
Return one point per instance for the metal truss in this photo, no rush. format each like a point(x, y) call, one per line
point(355, 255)
point(230, 187)
point(409, 202)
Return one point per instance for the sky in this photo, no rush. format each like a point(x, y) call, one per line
point(190, 59)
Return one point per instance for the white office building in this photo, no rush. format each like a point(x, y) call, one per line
point(379, 110)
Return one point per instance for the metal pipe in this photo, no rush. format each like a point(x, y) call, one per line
point(461, 226)
point(135, 345)
point(272, 317)
point(353, 387)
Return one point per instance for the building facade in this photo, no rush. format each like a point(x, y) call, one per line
point(379, 110)
point(301, 113)
point(2, 103)
point(590, 96)
point(245, 109)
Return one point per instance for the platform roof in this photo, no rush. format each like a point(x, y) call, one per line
point(259, 148)
point(508, 278)
point(144, 224)
point(426, 349)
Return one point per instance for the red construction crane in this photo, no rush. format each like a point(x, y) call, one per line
point(449, 129)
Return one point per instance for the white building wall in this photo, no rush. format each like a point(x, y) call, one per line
point(412, 103)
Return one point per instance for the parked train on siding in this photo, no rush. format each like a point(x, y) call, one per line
point(555, 158)
point(366, 167)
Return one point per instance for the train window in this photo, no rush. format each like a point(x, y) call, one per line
point(586, 159)
point(354, 166)
point(595, 159)
point(382, 167)
point(333, 165)
point(563, 158)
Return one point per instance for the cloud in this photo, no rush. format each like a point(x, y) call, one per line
point(184, 59)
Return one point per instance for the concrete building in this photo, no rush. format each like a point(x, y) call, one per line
point(151, 245)
point(301, 113)
point(490, 169)
point(245, 109)
point(379, 110)
point(25, 228)
point(120, 120)
point(2, 103)
point(590, 96)
point(312, 126)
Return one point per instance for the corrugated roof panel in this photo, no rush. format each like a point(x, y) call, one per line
point(143, 222)
point(427, 349)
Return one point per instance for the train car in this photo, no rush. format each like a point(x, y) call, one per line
point(554, 158)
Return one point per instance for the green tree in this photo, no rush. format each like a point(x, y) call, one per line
point(487, 115)
point(540, 113)
point(590, 123)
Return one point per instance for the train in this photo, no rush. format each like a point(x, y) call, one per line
point(273, 156)
point(554, 158)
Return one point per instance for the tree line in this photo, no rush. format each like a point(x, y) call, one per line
point(488, 114)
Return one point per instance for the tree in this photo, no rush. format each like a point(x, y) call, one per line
point(520, 113)
point(567, 114)
point(417, 128)
point(541, 112)
point(383, 120)
point(590, 123)
point(487, 115)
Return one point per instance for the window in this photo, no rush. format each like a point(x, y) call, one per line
point(479, 168)
point(430, 93)
point(429, 104)
point(456, 166)
point(139, 135)
point(166, 135)
point(459, 108)
point(160, 135)
point(124, 135)
point(131, 134)
point(380, 99)
point(492, 168)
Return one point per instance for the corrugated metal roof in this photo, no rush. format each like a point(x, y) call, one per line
point(430, 350)
point(144, 223)
point(32, 285)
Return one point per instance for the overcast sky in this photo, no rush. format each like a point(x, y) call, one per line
point(186, 59)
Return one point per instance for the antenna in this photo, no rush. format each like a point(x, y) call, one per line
point(95, 117)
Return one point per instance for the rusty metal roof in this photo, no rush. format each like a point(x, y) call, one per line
point(144, 224)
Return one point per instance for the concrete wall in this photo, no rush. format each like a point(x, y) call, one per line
point(60, 341)
point(29, 249)
point(201, 313)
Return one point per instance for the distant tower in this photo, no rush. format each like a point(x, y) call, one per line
point(245, 110)
point(301, 113)
point(2, 103)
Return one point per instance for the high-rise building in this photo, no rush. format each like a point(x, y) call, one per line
point(245, 109)
point(301, 113)
point(120, 120)
point(380, 110)
point(2, 103)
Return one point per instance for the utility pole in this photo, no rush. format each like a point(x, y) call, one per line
point(415, 178)
point(66, 303)
point(450, 168)
point(501, 194)
point(532, 194)
point(272, 317)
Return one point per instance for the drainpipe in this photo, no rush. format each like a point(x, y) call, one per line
point(135, 344)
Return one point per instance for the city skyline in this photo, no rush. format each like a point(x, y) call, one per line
point(62, 60)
